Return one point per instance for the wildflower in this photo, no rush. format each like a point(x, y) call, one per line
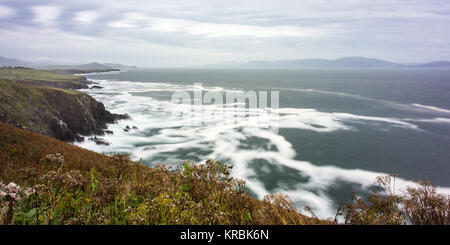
point(28, 191)
point(14, 196)
point(55, 158)
point(12, 188)
point(2, 193)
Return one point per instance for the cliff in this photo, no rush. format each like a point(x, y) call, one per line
point(60, 113)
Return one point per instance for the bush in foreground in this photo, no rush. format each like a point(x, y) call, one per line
point(420, 205)
point(125, 192)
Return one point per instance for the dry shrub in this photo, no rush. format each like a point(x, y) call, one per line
point(422, 205)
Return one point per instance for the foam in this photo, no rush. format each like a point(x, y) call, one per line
point(430, 120)
point(219, 137)
point(433, 108)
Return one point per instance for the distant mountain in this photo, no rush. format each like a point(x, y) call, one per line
point(14, 62)
point(342, 63)
point(89, 66)
point(435, 64)
point(49, 66)
point(346, 62)
point(79, 69)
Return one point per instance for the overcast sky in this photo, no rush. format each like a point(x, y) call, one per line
point(167, 33)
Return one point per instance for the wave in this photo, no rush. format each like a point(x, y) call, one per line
point(432, 108)
point(163, 135)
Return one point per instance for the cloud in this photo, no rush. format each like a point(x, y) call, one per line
point(410, 31)
point(86, 16)
point(46, 14)
point(209, 29)
point(221, 30)
point(6, 12)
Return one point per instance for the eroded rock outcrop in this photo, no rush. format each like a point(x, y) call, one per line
point(63, 114)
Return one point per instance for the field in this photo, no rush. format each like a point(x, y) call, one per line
point(41, 77)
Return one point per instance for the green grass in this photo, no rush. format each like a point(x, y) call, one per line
point(27, 105)
point(33, 75)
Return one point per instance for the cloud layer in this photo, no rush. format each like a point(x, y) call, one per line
point(189, 33)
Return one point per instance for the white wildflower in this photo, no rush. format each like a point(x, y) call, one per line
point(12, 188)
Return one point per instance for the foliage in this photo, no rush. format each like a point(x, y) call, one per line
point(420, 205)
point(46, 181)
point(68, 185)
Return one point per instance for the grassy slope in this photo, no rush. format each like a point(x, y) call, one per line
point(91, 188)
point(28, 105)
point(45, 102)
point(41, 77)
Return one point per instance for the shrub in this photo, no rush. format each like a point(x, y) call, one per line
point(420, 205)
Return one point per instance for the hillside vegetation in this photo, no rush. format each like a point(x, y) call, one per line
point(43, 78)
point(46, 181)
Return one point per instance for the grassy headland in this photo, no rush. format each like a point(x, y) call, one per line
point(39, 101)
point(43, 78)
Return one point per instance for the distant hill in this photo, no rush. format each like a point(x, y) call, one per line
point(89, 66)
point(67, 69)
point(78, 69)
point(14, 62)
point(346, 62)
point(342, 63)
point(435, 64)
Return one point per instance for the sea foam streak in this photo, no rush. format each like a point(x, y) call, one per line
point(432, 108)
point(165, 137)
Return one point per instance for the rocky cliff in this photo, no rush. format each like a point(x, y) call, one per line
point(60, 113)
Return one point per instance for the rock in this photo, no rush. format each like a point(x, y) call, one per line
point(96, 87)
point(134, 127)
point(109, 132)
point(79, 138)
point(127, 127)
point(121, 116)
point(99, 141)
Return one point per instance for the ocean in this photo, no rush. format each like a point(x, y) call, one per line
point(337, 130)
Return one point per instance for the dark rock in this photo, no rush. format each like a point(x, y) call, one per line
point(109, 132)
point(127, 127)
point(134, 127)
point(79, 138)
point(96, 87)
point(99, 141)
point(121, 116)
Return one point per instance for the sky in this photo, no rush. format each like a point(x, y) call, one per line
point(169, 33)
